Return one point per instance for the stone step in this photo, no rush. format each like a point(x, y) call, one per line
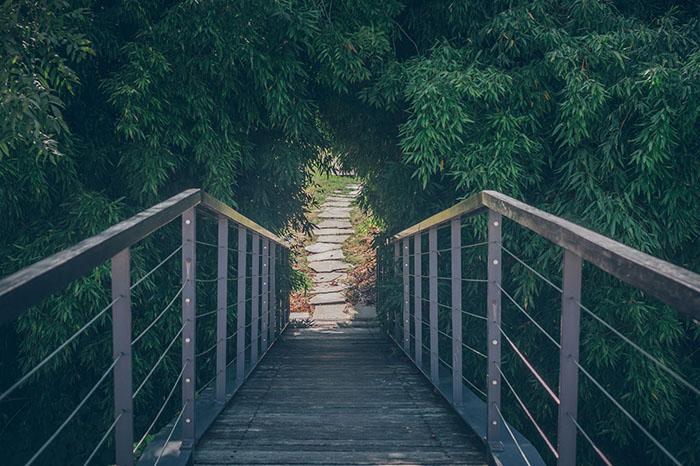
point(323, 247)
point(329, 266)
point(328, 255)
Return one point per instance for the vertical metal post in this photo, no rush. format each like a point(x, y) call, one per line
point(221, 306)
point(273, 293)
point(189, 321)
point(396, 271)
point(406, 301)
point(255, 295)
point(418, 299)
point(121, 348)
point(493, 332)
point(568, 372)
point(456, 256)
point(433, 290)
point(264, 291)
point(240, 305)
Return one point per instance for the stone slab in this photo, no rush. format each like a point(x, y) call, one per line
point(340, 198)
point(328, 266)
point(324, 256)
point(337, 204)
point(334, 223)
point(299, 316)
point(338, 239)
point(329, 277)
point(327, 287)
point(334, 214)
point(328, 298)
point(322, 247)
point(332, 231)
point(333, 312)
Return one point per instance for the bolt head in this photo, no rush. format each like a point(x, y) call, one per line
point(494, 382)
point(188, 420)
point(188, 380)
point(187, 300)
point(495, 423)
point(494, 342)
point(188, 339)
point(188, 221)
point(495, 223)
point(495, 262)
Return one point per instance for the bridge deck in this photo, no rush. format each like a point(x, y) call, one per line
point(337, 397)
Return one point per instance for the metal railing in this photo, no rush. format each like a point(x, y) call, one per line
point(269, 311)
point(670, 284)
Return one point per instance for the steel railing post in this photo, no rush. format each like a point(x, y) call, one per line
point(433, 290)
point(255, 296)
point(568, 372)
point(456, 280)
point(406, 301)
point(493, 332)
point(418, 300)
point(396, 270)
point(121, 344)
point(240, 305)
point(273, 293)
point(189, 322)
point(265, 298)
point(221, 306)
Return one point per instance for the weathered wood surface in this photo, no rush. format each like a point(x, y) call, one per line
point(337, 396)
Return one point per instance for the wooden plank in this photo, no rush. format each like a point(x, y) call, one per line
point(344, 398)
point(34, 283)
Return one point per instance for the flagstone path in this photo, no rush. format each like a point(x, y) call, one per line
point(326, 259)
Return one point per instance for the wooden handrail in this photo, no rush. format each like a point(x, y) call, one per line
point(667, 282)
point(31, 284)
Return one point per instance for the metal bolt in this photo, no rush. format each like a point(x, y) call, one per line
point(495, 223)
point(495, 262)
point(187, 300)
point(495, 423)
point(188, 339)
point(188, 221)
point(494, 382)
point(188, 420)
point(494, 342)
point(188, 380)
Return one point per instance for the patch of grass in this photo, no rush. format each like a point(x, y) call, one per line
point(324, 184)
point(358, 246)
point(359, 251)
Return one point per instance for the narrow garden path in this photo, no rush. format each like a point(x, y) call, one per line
point(327, 261)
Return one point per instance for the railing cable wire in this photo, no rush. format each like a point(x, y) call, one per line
point(150, 326)
point(137, 282)
point(74, 412)
point(651, 358)
point(548, 281)
point(170, 435)
point(529, 415)
point(520, 308)
point(157, 363)
point(58, 350)
point(530, 367)
point(103, 439)
point(627, 414)
point(162, 408)
point(600, 454)
point(512, 436)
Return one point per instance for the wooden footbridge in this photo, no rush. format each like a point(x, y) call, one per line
point(392, 394)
